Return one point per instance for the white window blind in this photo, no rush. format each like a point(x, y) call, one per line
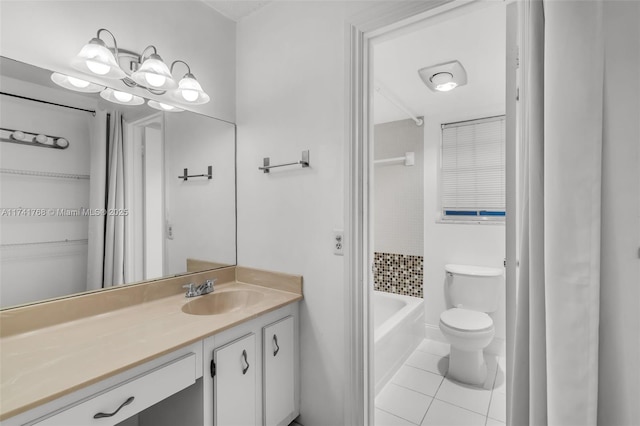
point(472, 169)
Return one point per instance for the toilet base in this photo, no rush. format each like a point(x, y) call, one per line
point(467, 366)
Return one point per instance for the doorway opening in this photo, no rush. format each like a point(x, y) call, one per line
point(429, 202)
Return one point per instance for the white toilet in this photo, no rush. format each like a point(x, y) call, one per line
point(473, 291)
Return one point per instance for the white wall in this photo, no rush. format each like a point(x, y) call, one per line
point(470, 244)
point(291, 97)
point(398, 192)
point(619, 374)
point(49, 34)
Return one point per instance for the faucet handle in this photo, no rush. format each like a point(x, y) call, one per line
point(191, 290)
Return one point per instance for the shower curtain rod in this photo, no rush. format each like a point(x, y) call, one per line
point(47, 102)
point(409, 159)
point(391, 97)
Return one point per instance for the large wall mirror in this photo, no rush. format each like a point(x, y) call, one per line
point(93, 195)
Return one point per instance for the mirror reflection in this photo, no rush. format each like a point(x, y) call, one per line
point(94, 195)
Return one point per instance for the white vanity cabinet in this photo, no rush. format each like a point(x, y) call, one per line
point(122, 396)
point(270, 395)
point(234, 382)
point(278, 382)
point(126, 399)
point(245, 375)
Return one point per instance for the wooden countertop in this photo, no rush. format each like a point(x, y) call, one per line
point(41, 365)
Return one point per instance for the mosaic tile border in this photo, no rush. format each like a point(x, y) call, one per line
point(398, 274)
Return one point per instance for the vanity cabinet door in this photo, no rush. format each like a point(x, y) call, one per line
point(279, 372)
point(234, 383)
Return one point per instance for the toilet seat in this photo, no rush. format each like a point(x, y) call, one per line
point(466, 320)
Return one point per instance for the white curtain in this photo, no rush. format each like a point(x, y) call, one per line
point(114, 241)
point(554, 375)
point(97, 190)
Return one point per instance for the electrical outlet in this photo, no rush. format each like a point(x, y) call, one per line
point(338, 242)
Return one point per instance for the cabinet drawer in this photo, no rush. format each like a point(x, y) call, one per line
point(141, 392)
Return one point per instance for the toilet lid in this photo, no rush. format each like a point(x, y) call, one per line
point(466, 320)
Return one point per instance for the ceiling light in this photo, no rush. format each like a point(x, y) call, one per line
point(119, 97)
point(444, 77)
point(73, 83)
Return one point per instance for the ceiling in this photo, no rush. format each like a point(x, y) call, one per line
point(236, 10)
point(475, 38)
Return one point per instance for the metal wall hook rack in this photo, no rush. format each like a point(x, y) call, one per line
point(186, 175)
point(23, 137)
point(304, 162)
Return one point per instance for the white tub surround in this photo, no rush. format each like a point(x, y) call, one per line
point(398, 322)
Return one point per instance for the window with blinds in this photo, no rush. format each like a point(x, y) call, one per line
point(472, 180)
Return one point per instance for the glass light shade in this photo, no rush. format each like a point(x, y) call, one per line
point(190, 91)
point(76, 84)
point(154, 73)
point(163, 107)
point(122, 98)
point(95, 58)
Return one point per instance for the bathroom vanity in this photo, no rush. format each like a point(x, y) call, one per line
point(147, 355)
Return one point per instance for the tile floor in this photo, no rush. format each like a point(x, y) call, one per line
point(421, 394)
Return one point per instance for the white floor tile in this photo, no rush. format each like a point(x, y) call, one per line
point(498, 407)
point(403, 402)
point(429, 362)
point(442, 414)
point(418, 380)
point(465, 396)
point(387, 419)
point(434, 347)
point(492, 422)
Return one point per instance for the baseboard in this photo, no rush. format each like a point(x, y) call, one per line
point(432, 332)
point(496, 347)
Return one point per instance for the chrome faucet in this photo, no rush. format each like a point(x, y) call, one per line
point(204, 288)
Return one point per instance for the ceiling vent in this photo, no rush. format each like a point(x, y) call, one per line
point(444, 77)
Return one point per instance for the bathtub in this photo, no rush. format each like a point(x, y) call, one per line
point(398, 330)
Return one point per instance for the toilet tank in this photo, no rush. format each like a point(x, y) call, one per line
point(474, 287)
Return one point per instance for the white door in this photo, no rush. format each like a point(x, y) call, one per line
point(234, 383)
point(279, 372)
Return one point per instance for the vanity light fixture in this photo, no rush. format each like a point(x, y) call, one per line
point(146, 71)
point(189, 90)
point(122, 98)
point(153, 73)
point(96, 58)
point(163, 107)
point(444, 77)
point(74, 83)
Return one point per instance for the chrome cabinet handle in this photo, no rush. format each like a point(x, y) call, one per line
point(101, 415)
point(244, 355)
point(275, 342)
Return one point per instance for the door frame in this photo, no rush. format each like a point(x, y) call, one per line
point(361, 33)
